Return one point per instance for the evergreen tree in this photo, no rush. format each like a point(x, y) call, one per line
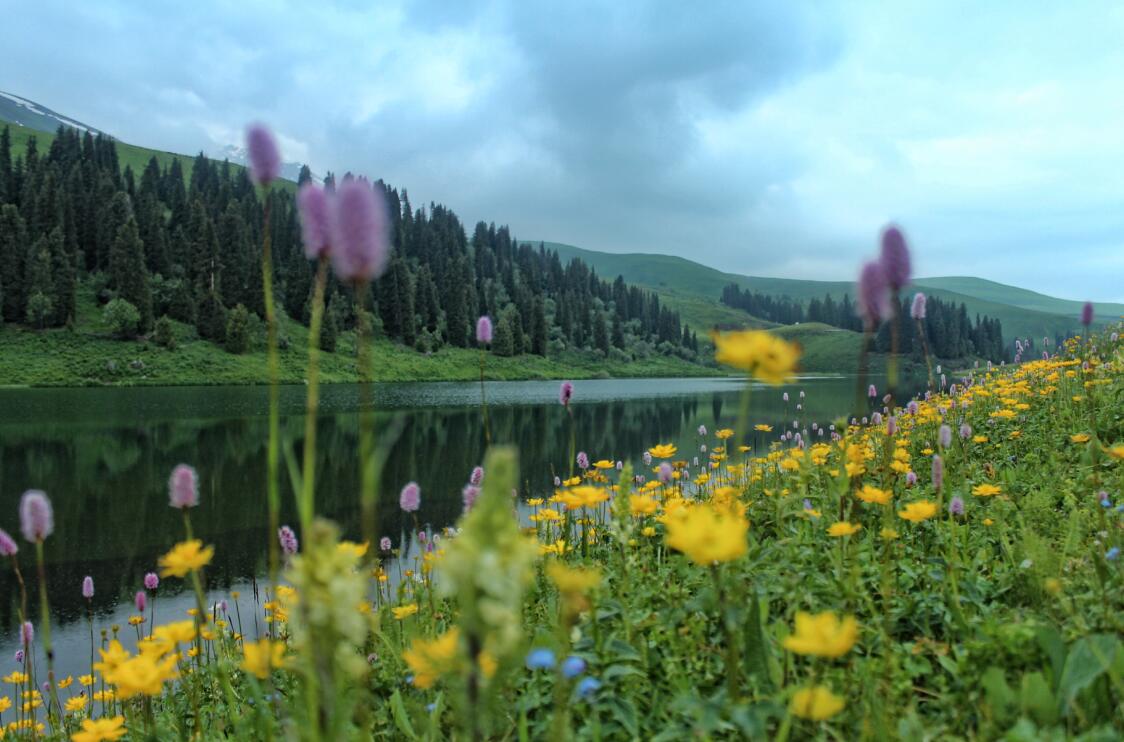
point(63, 277)
point(7, 181)
point(13, 259)
point(40, 308)
point(503, 339)
point(539, 331)
point(237, 330)
point(127, 272)
point(600, 334)
point(210, 316)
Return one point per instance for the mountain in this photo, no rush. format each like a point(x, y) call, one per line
point(239, 156)
point(1023, 313)
point(31, 115)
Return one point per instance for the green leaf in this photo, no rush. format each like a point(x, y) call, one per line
point(1088, 659)
point(1051, 642)
point(401, 718)
point(998, 693)
point(613, 672)
point(756, 647)
point(1037, 700)
point(623, 651)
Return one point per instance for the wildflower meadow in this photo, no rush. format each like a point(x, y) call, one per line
point(945, 566)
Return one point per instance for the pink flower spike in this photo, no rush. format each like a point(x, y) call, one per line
point(88, 587)
point(261, 149)
point(183, 487)
point(410, 498)
point(360, 232)
point(316, 220)
point(37, 520)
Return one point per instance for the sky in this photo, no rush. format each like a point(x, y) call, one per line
point(771, 139)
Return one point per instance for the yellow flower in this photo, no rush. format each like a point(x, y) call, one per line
point(918, 511)
point(177, 632)
point(111, 659)
point(100, 730)
point(143, 675)
point(648, 531)
point(874, 495)
point(888, 534)
point(584, 496)
point(262, 657)
point(663, 450)
point(428, 659)
point(843, 528)
point(988, 522)
point(404, 611)
point(979, 439)
point(86, 680)
point(1080, 437)
point(603, 464)
point(762, 428)
point(77, 703)
point(985, 490)
point(822, 634)
point(642, 505)
point(762, 354)
point(186, 556)
point(724, 433)
point(570, 580)
point(1116, 452)
point(136, 620)
point(5, 704)
point(816, 703)
point(707, 534)
point(66, 682)
point(352, 549)
point(15, 677)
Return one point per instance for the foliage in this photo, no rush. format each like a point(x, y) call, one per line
point(237, 330)
point(122, 319)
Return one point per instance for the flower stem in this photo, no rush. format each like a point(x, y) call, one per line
point(274, 451)
point(308, 476)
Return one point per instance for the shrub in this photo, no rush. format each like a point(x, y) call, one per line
point(40, 309)
point(238, 330)
point(122, 319)
point(163, 334)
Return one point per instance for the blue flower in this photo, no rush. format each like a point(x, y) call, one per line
point(430, 706)
point(1106, 503)
point(588, 686)
point(572, 667)
point(540, 659)
point(1112, 554)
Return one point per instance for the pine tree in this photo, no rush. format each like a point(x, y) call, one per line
point(63, 278)
point(600, 334)
point(40, 307)
point(127, 272)
point(13, 259)
point(618, 332)
point(539, 331)
point(7, 183)
point(210, 316)
point(237, 330)
point(503, 342)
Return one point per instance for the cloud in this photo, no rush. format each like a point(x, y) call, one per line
point(772, 139)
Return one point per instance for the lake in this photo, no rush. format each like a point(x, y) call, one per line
point(103, 455)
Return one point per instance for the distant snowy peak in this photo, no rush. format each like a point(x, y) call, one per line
point(24, 112)
point(234, 153)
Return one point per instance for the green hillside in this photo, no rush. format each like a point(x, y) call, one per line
point(676, 275)
point(128, 155)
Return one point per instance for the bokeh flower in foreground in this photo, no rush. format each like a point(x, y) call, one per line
point(316, 220)
point(37, 519)
point(183, 487)
point(918, 511)
point(360, 234)
point(185, 557)
point(100, 730)
point(260, 658)
point(262, 152)
point(823, 634)
point(707, 534)
point(761, 354)
point(816, 703)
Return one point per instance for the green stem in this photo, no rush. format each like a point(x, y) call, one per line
point(274, 455)
point(368, 475)
point(305, 505)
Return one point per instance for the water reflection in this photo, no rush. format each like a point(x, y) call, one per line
point(104, 455)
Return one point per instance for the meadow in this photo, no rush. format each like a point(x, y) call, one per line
point(944, 567)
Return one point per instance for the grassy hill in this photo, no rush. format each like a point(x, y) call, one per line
point(128, 155)
point(1023, 313)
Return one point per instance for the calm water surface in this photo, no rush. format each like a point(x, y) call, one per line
point(104, 456)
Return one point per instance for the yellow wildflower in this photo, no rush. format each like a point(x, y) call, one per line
point(642, 505)
point(177, 632)
point(918, 511)
point(822, 634)
point(185, 557)
point(988, 522)
point(724, 433)
point(759, 353)
point(77, 703)
point(762, 428)
point(985, 490)
point(404, 611)
point(888, 534)
point(979, 439)
point(86, 680)
point(66, 682)
point(603, 464)
point(707, 534)
point(663, 450)
point(1080, 437)
point(1116, 452)
point(352, 549)
point(111, 659)
point(262, 657)
point(428, 659)
point(843, 528)
point(874, 495)
point(15, 677)
point(816, 703)
point(143, 675)
point(100, 730)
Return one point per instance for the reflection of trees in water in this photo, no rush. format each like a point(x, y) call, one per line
point(108, 483)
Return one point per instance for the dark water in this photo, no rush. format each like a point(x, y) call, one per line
point(104, 456)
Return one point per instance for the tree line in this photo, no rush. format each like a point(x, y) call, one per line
point(187, 246)
point(949, 330)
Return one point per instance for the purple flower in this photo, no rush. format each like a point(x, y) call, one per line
point(360, 232)
point(37, 520)
point(151, 581)
point(873, 293)
point(895, 257)
point(261, 149)
point(484, 330)
point(558, 481)
point(8, 545)
point(384, 543)
point(665, 472)
point(140, 600)
point(917, 309)
point(316, 220)
point(944, 436)
point(566, 393)
point(647, 457)
point(410, 498)
point(183, 487)
point(965, 430)
point(27, 634)
point(1087, 314)
point(288, 540)
point(19, 657)
point(702, 430)
point(469, 495)
point(87, 587)
point(891, 425)
point(912, 407)
point(956, 505)
point(876, 418)
point(910, 478)
point(583, 460)
point(938, 472)
point(477, 476)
